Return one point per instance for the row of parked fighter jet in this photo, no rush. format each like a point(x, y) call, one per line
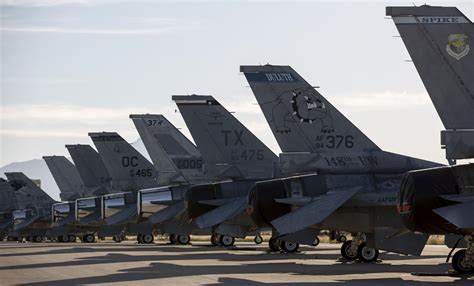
point(329, 176)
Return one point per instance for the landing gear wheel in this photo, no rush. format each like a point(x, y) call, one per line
point(173, 239)
point(147, 238)
point(89, 238)
point(72, 238)
point(226, 240)
point(459, 263)
point(367, 254)
point(258, 239)
point(342, 238)
point(274, 244)
point(289, 247)
point(215, 239)
point(316, 241)
point(184, 239)
point(347, 251)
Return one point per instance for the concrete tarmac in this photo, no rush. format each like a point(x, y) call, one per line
point(126, 263)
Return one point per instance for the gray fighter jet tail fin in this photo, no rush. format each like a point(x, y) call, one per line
point(301, 119)
point(66, 176)
point(440, 41)
point(130, 170)
point(176, 158)
point(91, 169)
point(29, 193)
point(228, 148)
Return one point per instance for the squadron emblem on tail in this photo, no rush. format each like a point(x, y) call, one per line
point(457, 46)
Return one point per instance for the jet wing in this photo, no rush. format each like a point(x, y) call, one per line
point(123, 215)
point(460, 214)
point(222, 213)
point(314, 212)
point(167, 213)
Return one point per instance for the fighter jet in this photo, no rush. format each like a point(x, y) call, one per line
point(180, 165)
point(339, 178)
point(33, 216)
point(441, 200)
point(64, 227)
point(235, 159)
point(147, 202)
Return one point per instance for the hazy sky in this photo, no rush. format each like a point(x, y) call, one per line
point(73, 66)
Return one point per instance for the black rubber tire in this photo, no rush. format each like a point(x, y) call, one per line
point(258, 239)
point(215, 239)
point(65, 238)
point(227, 240)
point(173, 239)
point(140, 238)
point(274, 244)
point(316, 241)
point(72, 238)
point(116, 238)
point(37, 239)
point(457, 263)
point(89, 238)
point(366, 254)
point(289, 247)
point(344, 251)
point(342, 238)
point(184, 239)
point(148, 238)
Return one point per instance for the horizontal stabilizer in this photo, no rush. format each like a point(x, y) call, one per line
point(409, 243)
point(306, 236)
point(69, 219)
point(295, 201)
point(234, 230)
point(459, 198)
point(222, 213)
point(314, 212)
point(460, 215)
point(26, 222)
point(163, 203)
point(90, 218)
point(167, 213)
point(122, 215)
point(217, 202)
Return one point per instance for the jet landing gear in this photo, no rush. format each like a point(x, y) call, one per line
point(286, 246)
point(180, 239)
point(357, 249)
point(222, 240)
point(463, 260)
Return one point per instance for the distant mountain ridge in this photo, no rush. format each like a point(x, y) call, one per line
point(37, 169)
